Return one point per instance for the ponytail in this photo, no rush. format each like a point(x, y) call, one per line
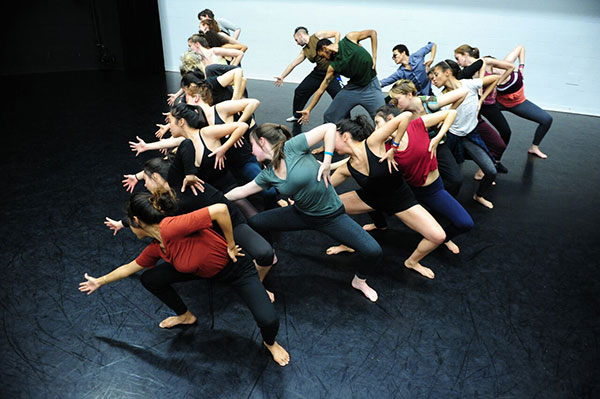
point(360, 128)
point(276, 135)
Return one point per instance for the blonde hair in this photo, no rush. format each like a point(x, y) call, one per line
point(404, 86)
point(191, 61)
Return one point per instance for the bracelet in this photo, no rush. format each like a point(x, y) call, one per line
point(521, 65)
point(136, 179)
point(395, 144)
point(328, 153)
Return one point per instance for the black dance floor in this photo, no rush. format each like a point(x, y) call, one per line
point(515, 315)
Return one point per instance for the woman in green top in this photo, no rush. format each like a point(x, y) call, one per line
point(297, 174)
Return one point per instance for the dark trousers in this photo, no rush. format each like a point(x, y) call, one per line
point(530, 111)
point(240, 275)
point(337, 225)
point(444, 208)
point(492, 113)
point(307, 88)
point(493, 141)
point(254, 244)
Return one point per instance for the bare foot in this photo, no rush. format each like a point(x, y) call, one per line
point(371, 227)
point(478, 175)
point(452, 247)
point(279, 354)
point(419, 268)
point(483, 201)
point(186, 318)
point(282, 203)
point(338, 249)
point(535, 150)
point(271, 295)
point(362, 286)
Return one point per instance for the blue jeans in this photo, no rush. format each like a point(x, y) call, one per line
point(337, 225)
point(369, 96)
point(532, 112)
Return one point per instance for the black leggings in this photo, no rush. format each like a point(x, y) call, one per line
point(241, 276)
point(254, 244)
point(492, 113)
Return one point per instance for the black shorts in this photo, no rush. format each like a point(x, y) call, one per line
point(394, 200)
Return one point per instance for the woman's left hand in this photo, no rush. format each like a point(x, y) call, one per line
point(219, 155)
point(324, 171)
point(138, 147)
point(389, 157)
point(234, 252)
point(433, 147)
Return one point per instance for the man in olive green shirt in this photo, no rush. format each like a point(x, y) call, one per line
point(350, 59)
point(312, 81)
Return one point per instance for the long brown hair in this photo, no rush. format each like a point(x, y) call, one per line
point(276, 135)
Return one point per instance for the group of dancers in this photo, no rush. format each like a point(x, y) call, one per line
point(219, 167)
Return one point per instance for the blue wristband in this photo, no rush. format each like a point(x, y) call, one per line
point(328, 153)
point(395, 144)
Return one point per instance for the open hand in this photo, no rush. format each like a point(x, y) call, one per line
point(90, 285)
point(138, 147)
point(113, 225)
point(194, 183)
point(129, 182)
point(234, 252)
point(389, 157)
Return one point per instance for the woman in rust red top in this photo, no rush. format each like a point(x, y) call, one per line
point(195, 251)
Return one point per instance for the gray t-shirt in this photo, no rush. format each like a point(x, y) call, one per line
point(311, 196)
point(466, 113)
point(227, 26)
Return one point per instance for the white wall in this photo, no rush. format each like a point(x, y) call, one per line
point(561, 37)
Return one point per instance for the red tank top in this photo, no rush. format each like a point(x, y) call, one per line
point(415, 161)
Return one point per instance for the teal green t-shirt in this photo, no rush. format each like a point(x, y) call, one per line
point(354, 62)
point(310, 196)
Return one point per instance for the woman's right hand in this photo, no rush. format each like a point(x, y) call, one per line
point(129, 182)
point(113, 225)
point(138, 147)
point(194, 183)
point(162, 130)
point(90, 285)
point(234, 252)
point(171, 99)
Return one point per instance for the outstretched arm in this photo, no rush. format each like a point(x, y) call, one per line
point(357, 37)
point(305, 118)
point(244, 191)
point(297, 61)
point(454, 97)
point(141, 146)
point(92, 284)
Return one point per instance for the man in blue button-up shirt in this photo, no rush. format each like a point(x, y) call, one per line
point(412, 67)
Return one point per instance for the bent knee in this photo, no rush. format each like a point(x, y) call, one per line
point(465, 225)
point(437, 236)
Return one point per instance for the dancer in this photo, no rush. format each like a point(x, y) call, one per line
point(193, 251)
point(350, 59)
point(296, 174)
point(464, 137)
point(511, 97)
point(412, 67)
point(381, 189)
point(472, 66)
point(214, 55)
point(404, 96)
point(313, 80)
point(155, 175)
point(225, 25)
point(415, 155)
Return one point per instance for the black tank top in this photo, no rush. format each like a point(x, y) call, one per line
point(236, 156)
point(379, 178)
